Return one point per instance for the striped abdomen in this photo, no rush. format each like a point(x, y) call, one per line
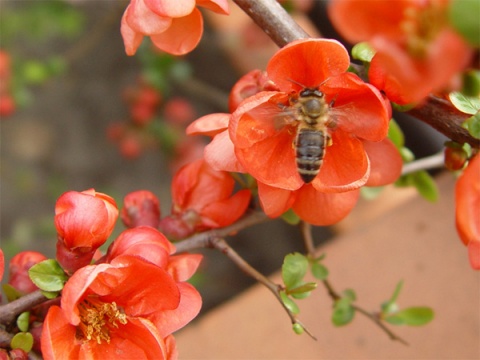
point(310, 148)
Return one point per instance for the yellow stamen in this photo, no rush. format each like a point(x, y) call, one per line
point(98, 318)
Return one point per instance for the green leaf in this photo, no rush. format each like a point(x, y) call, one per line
point(23, 321)
point(302, 291)
point(319, 271)
point(425, 185)
point(23, 341)
point(343, 312)
point(413, 316)
point(48, 275)
point(289, 303)
point(363, 51)
point(472, 124)
point(395, 134)
point(294, 269)
point(463, 15)
point(471, 83)
point(52, 294)
point(350, 295)
point(466, 104)
point(407, 155)
point(11, 293)
point(396, 292)
point(290, 217)
point(390, 306)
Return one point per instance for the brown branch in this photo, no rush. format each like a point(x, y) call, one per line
point(282, 29)
point(204, 239)
point(10, 311)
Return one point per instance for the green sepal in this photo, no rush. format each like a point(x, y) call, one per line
point(48, 275)
point(23, 321)
point(413, 316)
point(290, 217)
point(23, 341)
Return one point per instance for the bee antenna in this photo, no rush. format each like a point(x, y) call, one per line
point(296, 82)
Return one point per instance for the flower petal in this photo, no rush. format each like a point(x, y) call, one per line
point(209, 125)
point(359, 108)
point(169, 8)
point(182, 267)
point(218, 6)
point(345, 165)
point(58, 336)
point(182, 36)
point(308, 62)
point(274, 201)
point(385, 162)
point(220, 154)
point(226, 212)
point(319, 208)
point(131, 38)
point(143, 20)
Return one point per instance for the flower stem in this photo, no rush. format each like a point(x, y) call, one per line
point(426, 163)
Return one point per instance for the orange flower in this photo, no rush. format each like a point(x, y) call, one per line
point(84, 220)
point(467, 211)
point(105, 309)
point(202, 199)
point(417, 52)
point(175, 27)
point(261, 133)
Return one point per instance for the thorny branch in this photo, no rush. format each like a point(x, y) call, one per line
point(282, 29)
point(306, 230)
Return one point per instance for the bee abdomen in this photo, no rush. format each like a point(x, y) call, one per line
point(310, 149)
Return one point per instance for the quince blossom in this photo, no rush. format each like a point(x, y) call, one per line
point(175, 27)
point(417, 51)
point(250, 140)
point(467, 211)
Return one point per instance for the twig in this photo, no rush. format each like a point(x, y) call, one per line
point(202, 240)
point(335, 296)
point(282, 29)
point(221, 245)
point(10, 311)
point(430, 162)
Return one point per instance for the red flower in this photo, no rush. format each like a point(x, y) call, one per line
point(173, 26)
point(467, 195)
point(141, 208)
point(84, 220)
point(258, 143)
point(202, 199)
point(105, 312)
point(417, 52)
point(19, 266)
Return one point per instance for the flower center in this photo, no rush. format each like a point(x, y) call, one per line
point(421, 26)
point(98, 318)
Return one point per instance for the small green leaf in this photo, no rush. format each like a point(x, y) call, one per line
point(396, 292)
point(289, 303)
point(298, 329)
point(350, 295)
point(319, 271)
point(407, 155)
point(343, 312)
point(53, 294)
point(425, 185)
point(23, 321)
point(463, 15)
point(11, 293)
point(472, 124)
point(48, 275)
point(294, 269)
point(466, 104)
point(23, 341)
point(290, 217)
point(395, 134)
point(363, 51)
point(413, 316)
point(302, 291)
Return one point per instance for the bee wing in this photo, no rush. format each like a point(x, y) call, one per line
point(274, 115)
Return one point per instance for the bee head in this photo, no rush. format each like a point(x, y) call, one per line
point(311, 92)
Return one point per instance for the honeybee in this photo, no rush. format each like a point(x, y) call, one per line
point(311, 110)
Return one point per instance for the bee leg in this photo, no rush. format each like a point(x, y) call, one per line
point(329, 141)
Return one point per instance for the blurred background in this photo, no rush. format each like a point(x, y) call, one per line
point(77, 113)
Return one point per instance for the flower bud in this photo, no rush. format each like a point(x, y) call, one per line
point(455, 157)
point(19, 266)
point(141, 208)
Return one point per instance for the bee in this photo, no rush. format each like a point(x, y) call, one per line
point(311, 110)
